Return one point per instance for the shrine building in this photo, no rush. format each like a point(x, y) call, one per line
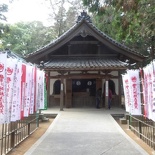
point(81, 61)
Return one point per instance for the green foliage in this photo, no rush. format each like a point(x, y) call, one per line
point(71, 17)
point(3, 8)
point(93, 5)
point(60, 25)
point(3, 27)
point(64, 19)
point(24, 38)
point(131, 22)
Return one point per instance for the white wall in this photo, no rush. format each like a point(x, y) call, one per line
point(115, 73)
point(52, 81)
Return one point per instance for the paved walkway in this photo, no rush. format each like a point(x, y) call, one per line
point(86, 131)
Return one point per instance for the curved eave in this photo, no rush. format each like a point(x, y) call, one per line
point(54, 45)
point(83, 64)
point(92, 30)
point(85, 69)
point(120, 48)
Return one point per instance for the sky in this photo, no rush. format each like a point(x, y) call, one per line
point(27, 10)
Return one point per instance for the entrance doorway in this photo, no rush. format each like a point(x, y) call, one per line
point(84, 85)
point(83, 92)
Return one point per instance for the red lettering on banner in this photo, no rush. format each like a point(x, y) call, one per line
point(135, 92)
point(127, 81)
point(1, 67)
point(1, 104)
point(8, 86)
point(134, 79)
point(1, 90)
point(1, 78)
point(127, 91)
point(9, 71)
point(135, 101)
point(8, 79)
point(128, 94)
point(1, 93)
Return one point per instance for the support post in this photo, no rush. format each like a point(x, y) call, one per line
point(140, 129)
point(99, 49)
point(106, 93)
point(48, 89)
point(69, 49)
point(12, 130)
point(119, 89)
point(62, 94)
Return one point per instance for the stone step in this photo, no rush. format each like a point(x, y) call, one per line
point(43, 118)
point(123, 121)
point(126, 116)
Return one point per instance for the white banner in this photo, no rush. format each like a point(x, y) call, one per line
point(28, 87)
point(18, 89)
point(19, 78)
point(153, 92)
point(32, 93)
point(9, 85)
point(23, 84)
point(42, 106)
point(135, 97)
point(148, 91)
point(15, 108)
point(148, 87)
point(37, 90)
point(126, 88)
point(3, 58)
point(145, 91)
point(149, 82)
point(40, 89)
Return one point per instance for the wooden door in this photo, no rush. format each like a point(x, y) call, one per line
point(98, 83)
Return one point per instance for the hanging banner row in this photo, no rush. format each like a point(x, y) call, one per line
point(139, 91)
point(22, 89)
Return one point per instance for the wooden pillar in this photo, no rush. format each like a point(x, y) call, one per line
point(48, 89)
point(119, 89)
point(62, 94)
point(68, 96)
point(106, 92)
point(69, 49)
point(98, 83)
point(98, 49)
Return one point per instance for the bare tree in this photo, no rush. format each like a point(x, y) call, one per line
point(63, 14)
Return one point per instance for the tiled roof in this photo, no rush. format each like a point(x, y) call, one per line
point(72, 29)
point(84, 63)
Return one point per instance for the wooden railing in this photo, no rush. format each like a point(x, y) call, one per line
point(15, 132)
point(143, 128)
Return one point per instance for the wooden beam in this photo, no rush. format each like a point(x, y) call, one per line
point(83, 42)
point(83, 76)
